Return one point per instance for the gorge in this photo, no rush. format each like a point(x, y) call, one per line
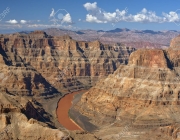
point(138, 100)
point(102, 91)
point(37, 70)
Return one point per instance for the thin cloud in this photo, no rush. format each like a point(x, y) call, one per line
point(23, 21)
point(15, 21)
point(34, 26)
point(12, 21)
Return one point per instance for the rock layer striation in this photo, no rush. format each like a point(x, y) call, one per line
point(138, 99)
point(38, 64)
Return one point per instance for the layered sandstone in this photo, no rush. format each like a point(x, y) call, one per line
point(37, 69)
point(175, 42)
point(21, 118)
point(138, 99)
point(38, 64)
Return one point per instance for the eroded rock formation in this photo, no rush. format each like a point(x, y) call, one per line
point(38, 64)
point(37, 69)
point(140, 99)
point(21, 119)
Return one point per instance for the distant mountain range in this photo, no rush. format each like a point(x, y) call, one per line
point(133, 38)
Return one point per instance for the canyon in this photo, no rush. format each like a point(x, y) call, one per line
point(131, 94)
point(139, 100)
point(44, 65)
point(37, 70)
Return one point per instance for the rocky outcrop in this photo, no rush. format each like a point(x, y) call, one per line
point(21, 119)
point(38, 64)
point(16, 126)
point(24, 117)
point(175, 42)
point(148, 58)
point(139, 99)
point(37, 69)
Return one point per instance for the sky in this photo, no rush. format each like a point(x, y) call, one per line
point(31, 15)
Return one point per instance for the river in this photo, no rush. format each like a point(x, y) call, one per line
point(62, 111)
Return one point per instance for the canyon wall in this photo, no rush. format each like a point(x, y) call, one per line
point(38, 64)
point(22, 118)
point(37, 69)
point(138, 100)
